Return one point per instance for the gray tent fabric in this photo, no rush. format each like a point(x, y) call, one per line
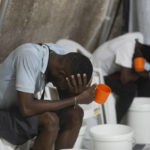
point(139, 19)
point(50, 20)
point(47, 21)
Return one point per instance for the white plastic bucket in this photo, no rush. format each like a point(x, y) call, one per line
point(90, 122)
point(72, 149)
point(138, 117)
point(79, 141)
point(111, 137)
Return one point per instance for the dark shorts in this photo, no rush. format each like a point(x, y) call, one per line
point(17, 129)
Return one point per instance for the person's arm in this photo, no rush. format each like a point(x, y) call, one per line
point(144, 74)
point(138, 53)
point(128, 75)
point(30, 106)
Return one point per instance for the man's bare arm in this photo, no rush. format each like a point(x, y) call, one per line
point(30, 106)
point(128, 75)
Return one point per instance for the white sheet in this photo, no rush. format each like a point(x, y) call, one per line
point(139, 19)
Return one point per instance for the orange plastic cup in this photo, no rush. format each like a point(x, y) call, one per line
point(139, 64)
point(102, 93)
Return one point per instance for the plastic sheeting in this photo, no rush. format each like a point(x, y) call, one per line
point(140, 18)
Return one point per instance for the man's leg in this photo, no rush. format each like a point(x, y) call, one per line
point(69, 130)
point(143, 87)
point(126, 96)
point(48, 130)
point(125, 93)
point(15, 128)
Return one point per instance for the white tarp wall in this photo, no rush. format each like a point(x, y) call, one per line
point(140, 18)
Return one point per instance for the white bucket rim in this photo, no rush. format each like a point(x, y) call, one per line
point(141, 104)
point(73, 149)
point(120, 137)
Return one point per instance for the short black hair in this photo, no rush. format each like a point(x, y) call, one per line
point(145, 49)
point(79, 63)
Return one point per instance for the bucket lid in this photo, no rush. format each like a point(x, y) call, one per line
point(140, 104)
point(111, 132)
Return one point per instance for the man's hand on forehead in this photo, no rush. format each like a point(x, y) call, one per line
point(89, 83)
point(77, 83)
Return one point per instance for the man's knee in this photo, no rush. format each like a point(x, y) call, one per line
point(75, 115)
point(49, 121)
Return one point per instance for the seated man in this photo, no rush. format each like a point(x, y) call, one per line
point(117, 55)
point(25, 72)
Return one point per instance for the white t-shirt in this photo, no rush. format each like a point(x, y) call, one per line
point(115, 53)
point(23, 70)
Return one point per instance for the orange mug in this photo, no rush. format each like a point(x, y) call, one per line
point(139, 64)
point(102, 93)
